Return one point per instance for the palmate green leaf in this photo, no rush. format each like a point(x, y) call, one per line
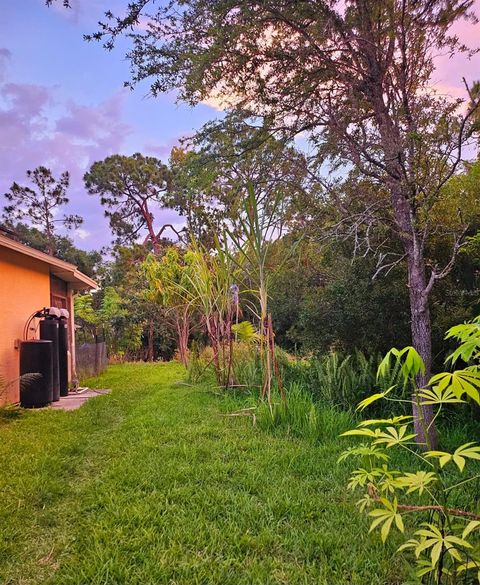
point(386, 517)
point(388, 484)
point(469, 336)
point(392, 436)
point(459, 382)
point(464, 331)
point(361, 477)
point(467, 451)
point(437, 395)
point(411, 363)
point(245, 331)
point(466, 351)
point(364, 450)
point(416, 481)
point(388, 421)
point(433, 539)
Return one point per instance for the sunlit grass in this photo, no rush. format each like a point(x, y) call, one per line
point(153, 484)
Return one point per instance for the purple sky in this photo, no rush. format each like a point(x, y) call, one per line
point(63, 105)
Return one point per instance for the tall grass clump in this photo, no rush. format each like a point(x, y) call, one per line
point(302, 416)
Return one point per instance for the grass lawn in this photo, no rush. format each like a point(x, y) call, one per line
point(153, 485)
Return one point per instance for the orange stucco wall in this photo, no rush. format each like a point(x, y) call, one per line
point(24, 288)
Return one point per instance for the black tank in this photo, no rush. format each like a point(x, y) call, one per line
point(36, 358)
point(49, 331)
point(63, 357)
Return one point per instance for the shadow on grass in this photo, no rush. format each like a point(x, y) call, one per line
point(9, 414)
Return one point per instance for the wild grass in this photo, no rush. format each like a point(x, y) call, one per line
point(155, 484)
point(302, 416)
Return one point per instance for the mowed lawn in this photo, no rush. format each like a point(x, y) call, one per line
point(153, 484)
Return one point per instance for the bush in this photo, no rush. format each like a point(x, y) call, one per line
point(338, 380)
point(446, 544)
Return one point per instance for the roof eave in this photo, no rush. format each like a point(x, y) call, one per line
point(64, 270)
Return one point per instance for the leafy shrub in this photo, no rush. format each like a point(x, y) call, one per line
point(339, 380)
point(446, 545)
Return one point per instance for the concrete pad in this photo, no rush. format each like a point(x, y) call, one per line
point(75, 399)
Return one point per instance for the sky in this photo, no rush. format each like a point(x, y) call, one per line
point(63, 104)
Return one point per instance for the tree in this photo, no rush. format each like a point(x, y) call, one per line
point(210, 182)
point(169, 279)
point(354, 75)
point(130, 188)
point(193, 196)
point(40, 205)
point(126, 274)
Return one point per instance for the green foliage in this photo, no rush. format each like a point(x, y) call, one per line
point(321, 301)
point(340, 380)
point(144, 331)
point(245, 332)
point(170, 286)
point(447, 546)
point(301, 416)
point(129, 187)
point(104, 314)
point(210, 182)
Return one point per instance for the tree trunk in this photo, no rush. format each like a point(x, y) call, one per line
point(404, 213)
point(151, 232)
point(183, 330)
point(151, 332)
point(421, 327)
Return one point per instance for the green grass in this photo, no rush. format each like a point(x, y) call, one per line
point(153, 484)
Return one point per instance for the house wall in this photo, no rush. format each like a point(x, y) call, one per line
point(24, 288)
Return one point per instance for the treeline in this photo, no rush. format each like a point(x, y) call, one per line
point(338, 278)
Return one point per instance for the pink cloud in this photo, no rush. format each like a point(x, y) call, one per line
point(39, 129)
point(25, 99)
point(93, 123)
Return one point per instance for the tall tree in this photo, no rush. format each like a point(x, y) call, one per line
point(130, 188)
point(40, 205)
point(355, 75)
point(210, 181)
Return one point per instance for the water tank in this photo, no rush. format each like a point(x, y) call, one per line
point(63, 357)
point(36, 358)
point(49, 332)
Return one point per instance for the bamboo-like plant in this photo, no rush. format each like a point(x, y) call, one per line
point(212, 277)
point(258, 228)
